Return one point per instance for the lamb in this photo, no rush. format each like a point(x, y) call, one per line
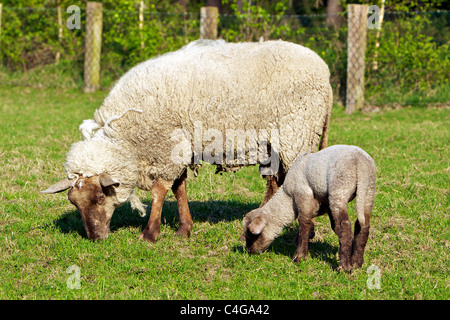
point(319, 183)
point(173, 111)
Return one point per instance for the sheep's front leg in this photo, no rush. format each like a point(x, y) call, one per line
point(179, 190)
point(307, 208)
point(341, 225)
point(304, 230)
point(151, 231)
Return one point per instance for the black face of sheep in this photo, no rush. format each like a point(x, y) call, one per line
point(94, 199)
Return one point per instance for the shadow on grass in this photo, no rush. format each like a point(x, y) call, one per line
point(202, 211)
point(286, 245)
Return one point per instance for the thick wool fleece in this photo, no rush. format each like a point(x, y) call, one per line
point(269, 85)
point(94, 157)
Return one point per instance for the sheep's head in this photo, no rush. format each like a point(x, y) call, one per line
point(258, 237)
point(95, 198)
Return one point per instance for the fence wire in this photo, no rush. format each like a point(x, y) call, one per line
point(412, 56)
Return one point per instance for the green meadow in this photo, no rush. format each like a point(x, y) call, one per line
point(44, 249)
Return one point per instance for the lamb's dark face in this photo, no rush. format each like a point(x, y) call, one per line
point(256, 236)
point(95, 199)
point(96, 205)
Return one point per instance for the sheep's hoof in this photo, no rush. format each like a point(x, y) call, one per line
point(147, 235)
point(345, 268)
point(183, 232)
point(358, 264)
point(297, 258)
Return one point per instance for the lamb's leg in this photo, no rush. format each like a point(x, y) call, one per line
point(304, 230)
point(179, 190)
point(342, 227)
point(307, 207)
point(151, 231)
point(361, 237)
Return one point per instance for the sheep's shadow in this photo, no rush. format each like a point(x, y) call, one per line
point(212, 211)
point(286, 245)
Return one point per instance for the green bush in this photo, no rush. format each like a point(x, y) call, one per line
point(413, 56)
point(410, 60)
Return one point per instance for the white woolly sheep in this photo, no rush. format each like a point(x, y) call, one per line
point(279, 89)
point(319, 183)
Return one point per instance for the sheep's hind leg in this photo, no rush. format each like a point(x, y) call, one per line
point(360, 238)
point(341, 225)
point(274, 182)
point(151, 231)
point(271, 189)
point(179, 190)
point(359, 244)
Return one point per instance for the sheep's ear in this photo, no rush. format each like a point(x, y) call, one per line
point(107, 181)
point(59, 186)
point(257, 225)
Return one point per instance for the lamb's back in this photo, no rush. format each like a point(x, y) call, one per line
point(317, 171)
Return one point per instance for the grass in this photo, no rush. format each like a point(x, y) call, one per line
point(41, 236)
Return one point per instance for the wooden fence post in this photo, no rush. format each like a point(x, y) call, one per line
point(208, 22)
point(377, 43)
point(93, 46)
point(141, 22)
point(0, 32)
point(60, 31)
point(356, 49)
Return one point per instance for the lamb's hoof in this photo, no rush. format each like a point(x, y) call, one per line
point(345, 269)
point(358, 264)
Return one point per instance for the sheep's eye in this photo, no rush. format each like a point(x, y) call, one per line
point(101, 198)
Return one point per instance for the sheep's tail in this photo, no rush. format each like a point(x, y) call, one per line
point(365, 191)
point(324, 141)
point(137, 204)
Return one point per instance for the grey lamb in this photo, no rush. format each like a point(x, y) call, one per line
point(319, 183)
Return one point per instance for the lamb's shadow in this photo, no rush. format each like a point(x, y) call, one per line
point(286, 245)
point(212, 211)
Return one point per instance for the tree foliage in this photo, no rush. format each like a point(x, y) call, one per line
point(413, 55)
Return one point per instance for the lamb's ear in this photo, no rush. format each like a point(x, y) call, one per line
point(257, 225)
point(59, 186)
point(107, 181)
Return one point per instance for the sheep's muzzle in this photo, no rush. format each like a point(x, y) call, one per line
point(94, 202)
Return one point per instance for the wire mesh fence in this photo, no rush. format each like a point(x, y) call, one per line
point(356, 49)
point(412, 56)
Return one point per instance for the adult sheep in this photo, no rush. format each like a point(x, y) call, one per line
point(149, 128)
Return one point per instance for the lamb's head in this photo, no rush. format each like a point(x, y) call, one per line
point(100, 180)
point(258, 235)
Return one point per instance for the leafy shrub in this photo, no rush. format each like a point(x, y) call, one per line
point(413, 56)
point(409, 58)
